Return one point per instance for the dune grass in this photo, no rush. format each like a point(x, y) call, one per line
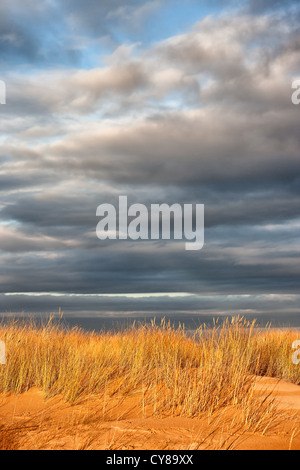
point(170, 372)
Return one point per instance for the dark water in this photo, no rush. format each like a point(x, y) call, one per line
point(190, 322)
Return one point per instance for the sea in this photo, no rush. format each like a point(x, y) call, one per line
point(121, 323)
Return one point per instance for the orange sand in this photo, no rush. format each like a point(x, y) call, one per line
point(35, 423)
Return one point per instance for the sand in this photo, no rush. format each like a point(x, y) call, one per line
point(36, 423)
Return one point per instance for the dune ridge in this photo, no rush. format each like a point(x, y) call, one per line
point(149, 387)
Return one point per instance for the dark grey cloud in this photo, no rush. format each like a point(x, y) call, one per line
point(234, 260)
point(219, 147)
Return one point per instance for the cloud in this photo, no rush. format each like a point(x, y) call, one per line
point(133, 16)
point(204, 116)
point(31, 32)
point(259, 6)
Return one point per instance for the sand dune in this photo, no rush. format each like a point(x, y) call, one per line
point(287, 394)
point(37, 423)
point(149, 387)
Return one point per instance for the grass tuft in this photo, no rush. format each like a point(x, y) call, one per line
point(172, 372)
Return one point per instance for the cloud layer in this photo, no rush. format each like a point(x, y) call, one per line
point(97, 108)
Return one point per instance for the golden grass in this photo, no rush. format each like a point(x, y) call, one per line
point(171, 372)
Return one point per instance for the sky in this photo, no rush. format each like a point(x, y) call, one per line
point(165, 101)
